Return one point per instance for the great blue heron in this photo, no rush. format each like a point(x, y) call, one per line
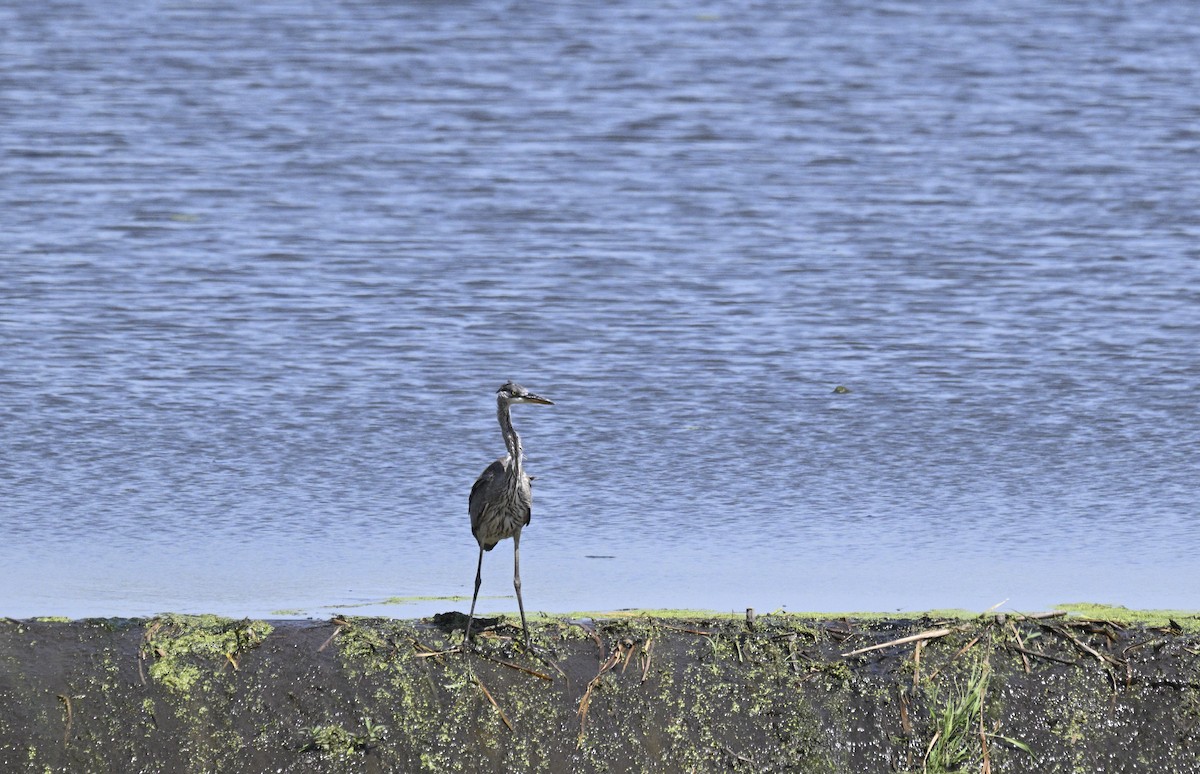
point(501, 498)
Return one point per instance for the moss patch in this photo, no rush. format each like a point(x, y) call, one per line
point(178, 647)
point(1188, 620)
point(336, 742)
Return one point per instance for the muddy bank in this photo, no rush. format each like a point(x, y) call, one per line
point(784, 693)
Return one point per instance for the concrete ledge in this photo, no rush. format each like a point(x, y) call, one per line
point(643, 693)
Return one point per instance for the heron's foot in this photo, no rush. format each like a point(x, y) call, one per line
point(485, 646)
point(540, 652)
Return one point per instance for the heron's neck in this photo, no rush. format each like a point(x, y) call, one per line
point(511, 439)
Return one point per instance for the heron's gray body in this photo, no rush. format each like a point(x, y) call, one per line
point(501, 503)
point(502, 499)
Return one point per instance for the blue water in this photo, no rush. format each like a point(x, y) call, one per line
point(265, 264)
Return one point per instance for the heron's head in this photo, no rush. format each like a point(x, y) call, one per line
point(511, 392)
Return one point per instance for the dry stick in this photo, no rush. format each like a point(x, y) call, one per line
point(555, 667)
point(737, 755)
point(1046, 656)
point(791, 654)
point(1047, 614)
point(420, 645)
point(1144, 643)
point(1084, 646)
point(688, 631)
point(929, 635)
point(519, 668)
point(1021, 643)
point(424, 651)
point(1093, 621)
point(843, 634)
point(436, 653)
point(917, 662)
point(959, 652)
point(340, 624)
point(66, 700)
point(488, 694)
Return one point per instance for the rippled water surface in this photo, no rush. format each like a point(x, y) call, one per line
point(264, 265)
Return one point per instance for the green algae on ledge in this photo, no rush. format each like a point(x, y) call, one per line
point(176, 645)
point(1188, 620)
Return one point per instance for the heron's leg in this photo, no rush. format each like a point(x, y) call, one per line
point(474, 597)
point(517, 583)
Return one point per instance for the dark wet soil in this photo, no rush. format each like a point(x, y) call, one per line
point(204, 694)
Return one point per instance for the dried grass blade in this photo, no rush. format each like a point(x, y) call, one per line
point(510, 665)
point(646, 665)
point(685, 629)
point(929, 635)
point(958, 653)
point(1101, 657)
point(66, 702)
point(1046, 656)
point(628, 657)
point(488, 694)
point(1021, 643)
point(340, 624)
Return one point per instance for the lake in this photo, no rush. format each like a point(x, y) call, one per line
point(264, 266)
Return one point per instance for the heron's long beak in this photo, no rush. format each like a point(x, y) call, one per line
point(531, 398)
